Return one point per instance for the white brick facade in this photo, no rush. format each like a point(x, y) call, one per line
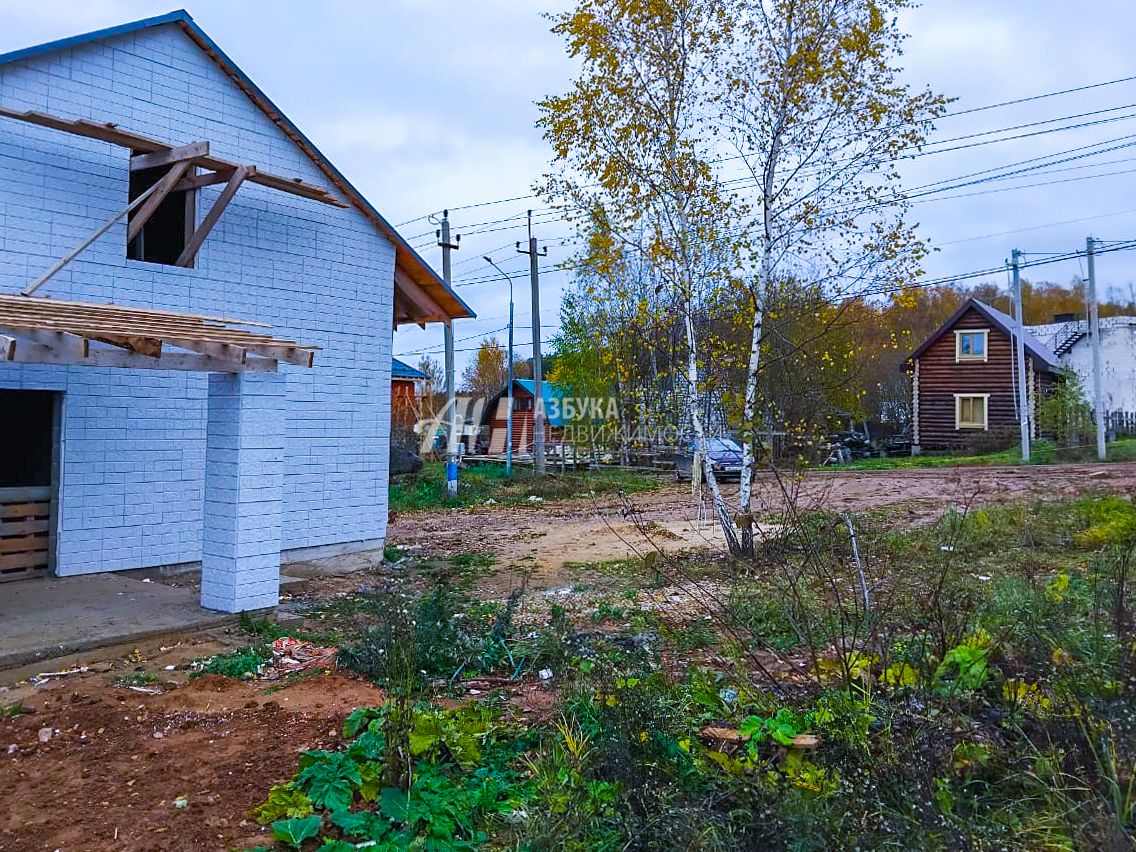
point(133, 445)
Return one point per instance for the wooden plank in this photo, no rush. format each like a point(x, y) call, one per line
point(25, 494)
point(165, 186)
point(11, 528)
point(192, 151)
point(215, 345)
point(36, 559)
point(62, 341)
point(23, 544)
point(214, 215)
point(149, 346)
point(95, 326)
point(24, 511)
point(11, 301)
point(425, 307)
point(226, 351)
point(116, 136)
point(132, 360)
point(193, 182)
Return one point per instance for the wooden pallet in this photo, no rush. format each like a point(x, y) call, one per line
point(25, 522)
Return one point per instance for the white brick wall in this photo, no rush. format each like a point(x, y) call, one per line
point(244, 478)
point(131, 485)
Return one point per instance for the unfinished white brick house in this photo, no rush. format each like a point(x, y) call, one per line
point(137, 438)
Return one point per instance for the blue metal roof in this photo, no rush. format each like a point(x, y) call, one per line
point(179, 16)
point(549, 391)
point(402, 370)
point(198, 35)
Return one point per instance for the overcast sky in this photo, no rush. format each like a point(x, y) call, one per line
point(426, 104)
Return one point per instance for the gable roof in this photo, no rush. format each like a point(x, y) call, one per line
point(1003, 322)
point(408, 262)
point(402, 370)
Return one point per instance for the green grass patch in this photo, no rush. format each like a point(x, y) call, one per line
point(11, 709)
point(1043, 452)
point(243, 663)
point(986, 701)
point(480, 483)
point(137, 679)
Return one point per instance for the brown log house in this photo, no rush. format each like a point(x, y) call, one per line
point(964, 381)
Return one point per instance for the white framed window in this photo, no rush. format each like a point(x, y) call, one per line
point(972, 410)
point(970, 345)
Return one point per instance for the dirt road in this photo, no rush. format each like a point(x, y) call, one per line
point(540, 538)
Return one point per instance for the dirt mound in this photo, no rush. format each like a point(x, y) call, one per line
point(207, 694)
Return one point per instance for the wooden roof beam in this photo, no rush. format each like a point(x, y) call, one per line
point(111, 133)
point(72, 345)
point(193, 245)
point(190, 152)
point(149, 346)
point(425, 307)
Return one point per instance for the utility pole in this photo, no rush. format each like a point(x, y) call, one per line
point(509, 387)
point(1020, 355)
point(451, 385)
point(538, 402)
point(1094, 333)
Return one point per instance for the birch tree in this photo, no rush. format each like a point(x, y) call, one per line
point(634, 140)
point(818, 119)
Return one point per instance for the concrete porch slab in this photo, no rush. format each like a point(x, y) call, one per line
point(49, 617)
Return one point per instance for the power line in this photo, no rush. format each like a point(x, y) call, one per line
point(552, 214)
point(956, 114)
point(459, 340)
point(1037, 227)
point(470, 348)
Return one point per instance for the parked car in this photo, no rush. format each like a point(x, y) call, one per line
point(724, 454)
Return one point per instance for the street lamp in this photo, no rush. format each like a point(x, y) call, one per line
point(509, 386)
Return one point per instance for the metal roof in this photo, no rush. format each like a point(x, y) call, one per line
point(1005, 323)
point(402, 370)
point(406, 257)
point(549, 391)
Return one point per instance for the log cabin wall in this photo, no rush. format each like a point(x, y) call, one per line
point(941, 377)
point(522, 424)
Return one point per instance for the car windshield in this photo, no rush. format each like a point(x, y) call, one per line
point(721, 445)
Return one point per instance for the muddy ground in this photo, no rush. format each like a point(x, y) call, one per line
point(540, 542)
point(96, 765)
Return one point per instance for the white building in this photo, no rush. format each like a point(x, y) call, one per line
point(1070, 340)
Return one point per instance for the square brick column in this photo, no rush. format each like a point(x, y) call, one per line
point(244, 480)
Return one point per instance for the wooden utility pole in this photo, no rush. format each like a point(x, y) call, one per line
point(1094, 334)
point(1020, 355)
point(538, 384)
point(451, 385)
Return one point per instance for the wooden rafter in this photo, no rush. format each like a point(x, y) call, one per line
point(193, 151)
point(424, 308)
point(46, 331)
point(150, 207)
point(193, 244)
point(146, 145)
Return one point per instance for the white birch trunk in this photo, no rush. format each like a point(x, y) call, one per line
point(721, 510)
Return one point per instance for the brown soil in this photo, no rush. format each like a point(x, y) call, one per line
point(117, 760)
point(535, 542)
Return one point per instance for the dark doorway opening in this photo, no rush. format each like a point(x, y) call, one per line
point(29, 433)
